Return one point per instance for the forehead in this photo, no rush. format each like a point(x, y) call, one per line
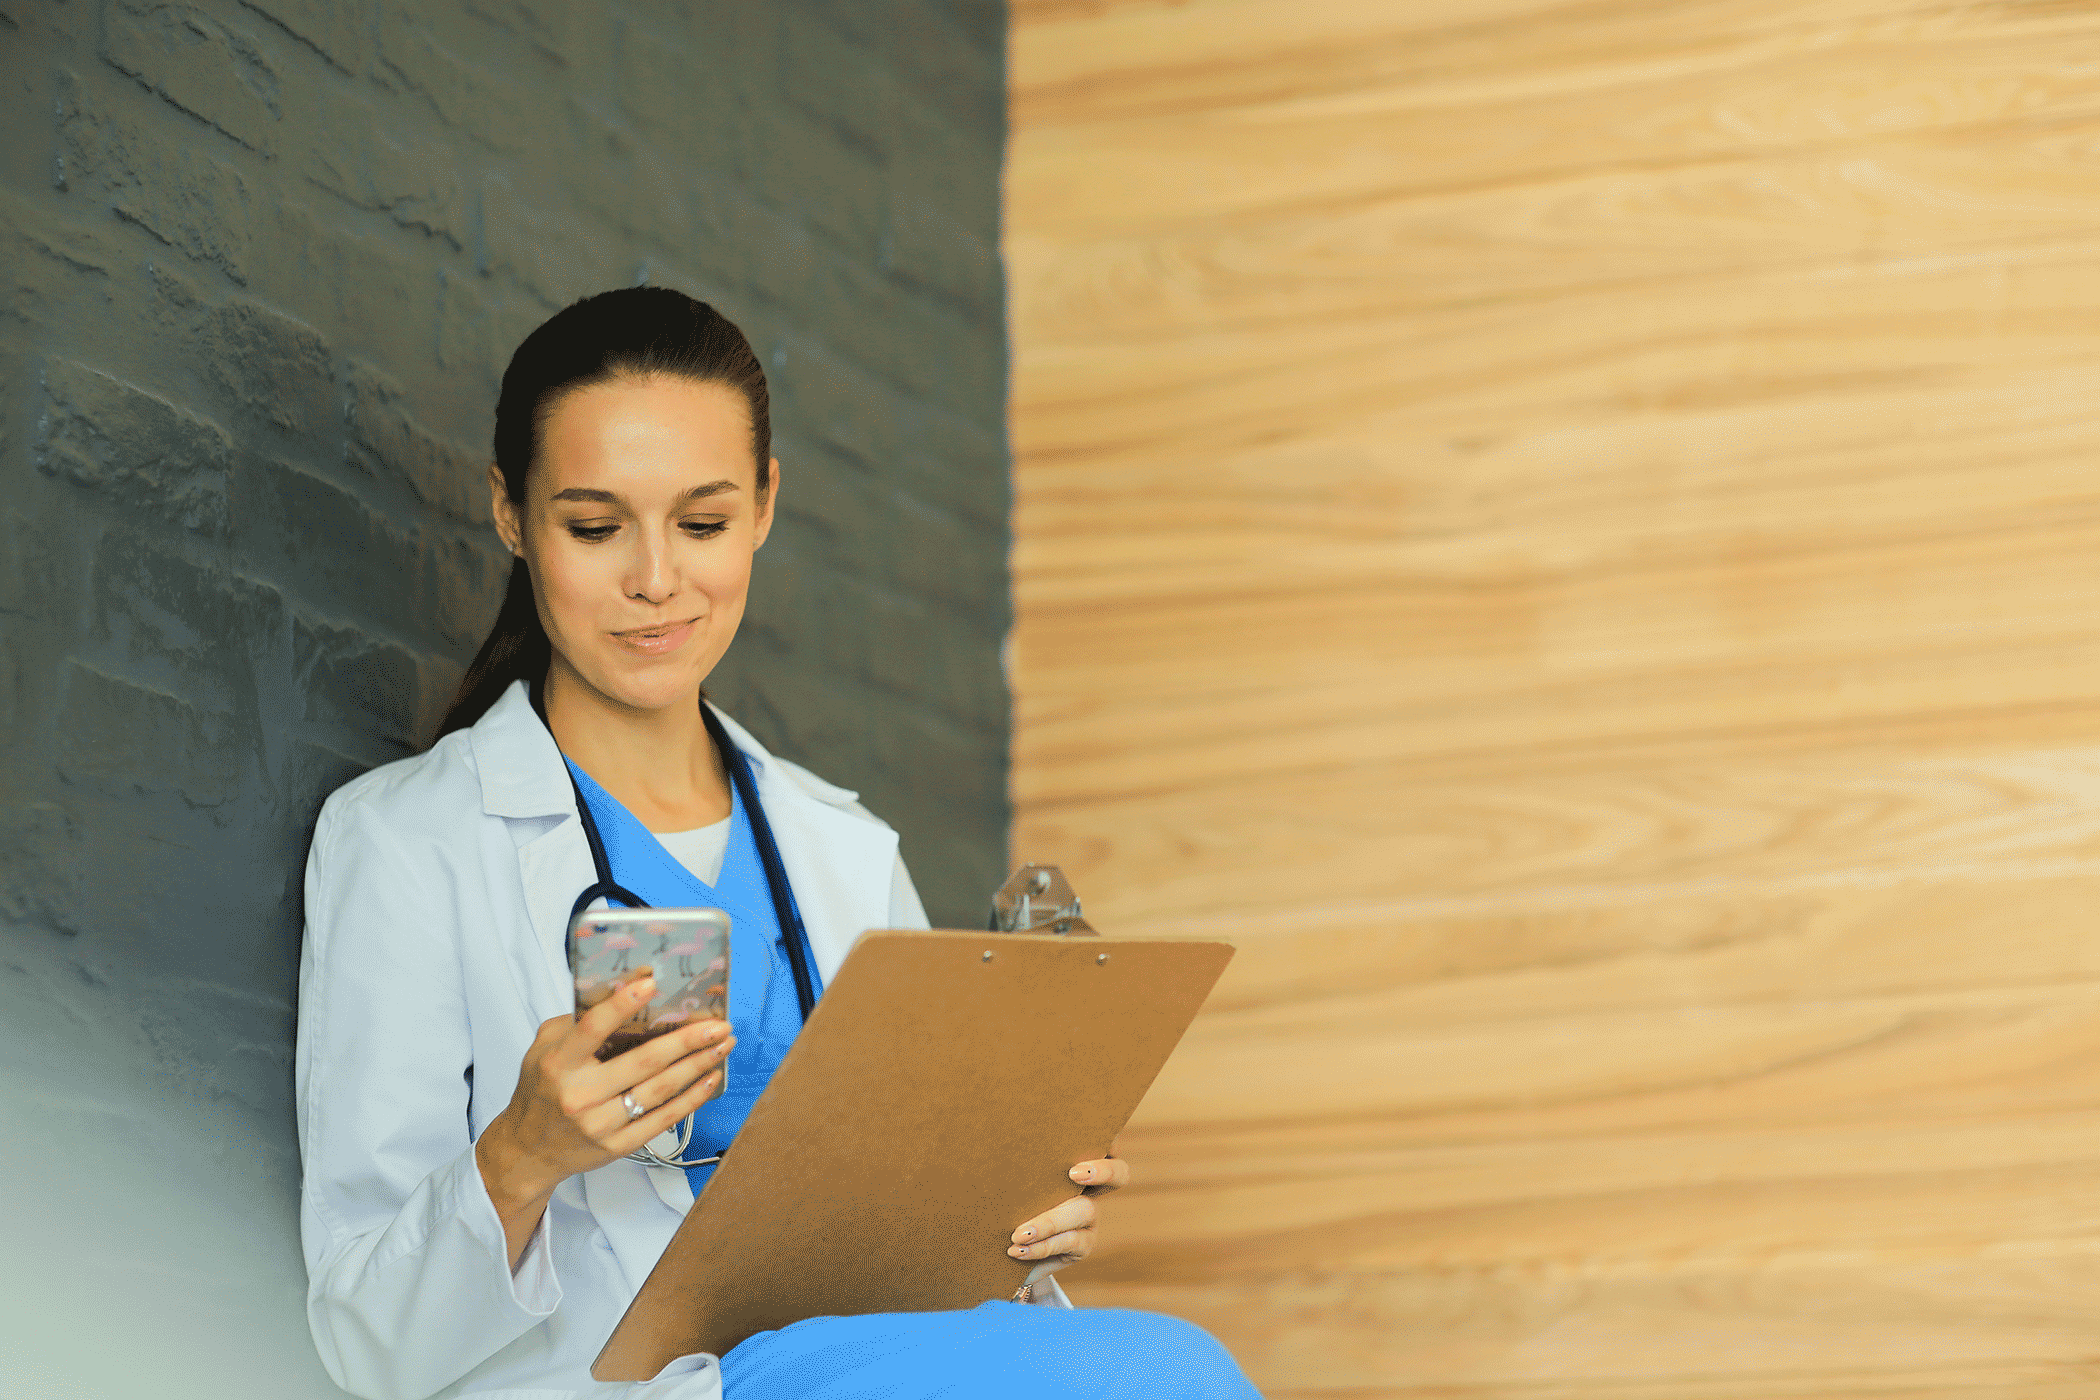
point(631, 434)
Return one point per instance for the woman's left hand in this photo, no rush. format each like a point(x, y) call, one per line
point(1064, 1234)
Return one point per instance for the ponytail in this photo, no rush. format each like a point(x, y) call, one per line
point(517, 649)
point(634, 332)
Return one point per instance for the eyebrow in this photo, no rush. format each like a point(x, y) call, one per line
point(591, 493)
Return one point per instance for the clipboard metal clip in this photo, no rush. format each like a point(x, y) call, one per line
point(1038, 899)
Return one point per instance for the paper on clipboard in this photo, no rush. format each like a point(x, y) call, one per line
point(939, 1095)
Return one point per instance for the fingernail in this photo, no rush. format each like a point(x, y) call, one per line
point(1029, 1233)
point(1017, 1252)
point(1081, 1173)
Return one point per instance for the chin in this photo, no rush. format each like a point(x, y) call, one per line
point(653, 690)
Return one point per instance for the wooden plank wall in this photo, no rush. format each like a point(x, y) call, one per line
point(1570, 530)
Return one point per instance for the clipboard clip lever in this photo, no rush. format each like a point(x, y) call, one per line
point(1038, 899)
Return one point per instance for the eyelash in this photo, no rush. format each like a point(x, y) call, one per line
point(599, 534)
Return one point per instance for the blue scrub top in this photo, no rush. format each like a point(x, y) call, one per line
point(762, 1005)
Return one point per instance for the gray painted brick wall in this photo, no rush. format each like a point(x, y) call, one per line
point(263, 263)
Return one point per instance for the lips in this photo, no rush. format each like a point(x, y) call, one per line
point(657, 640)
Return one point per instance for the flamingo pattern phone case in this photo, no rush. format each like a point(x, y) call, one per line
point(687, 949)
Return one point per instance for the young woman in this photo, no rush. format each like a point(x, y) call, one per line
point(473, 1222)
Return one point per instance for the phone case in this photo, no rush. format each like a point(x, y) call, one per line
point(687, 949)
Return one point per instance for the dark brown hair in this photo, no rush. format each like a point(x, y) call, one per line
point(630, 333)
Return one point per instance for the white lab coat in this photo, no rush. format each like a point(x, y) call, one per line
point(437, 901)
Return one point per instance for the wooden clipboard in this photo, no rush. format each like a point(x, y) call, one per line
point(938, 1097)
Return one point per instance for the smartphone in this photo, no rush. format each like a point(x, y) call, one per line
point(687, 950)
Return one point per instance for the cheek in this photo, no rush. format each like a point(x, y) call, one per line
point(573, 582)
point(724, 575)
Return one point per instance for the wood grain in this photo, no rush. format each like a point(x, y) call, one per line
point(1569, 532)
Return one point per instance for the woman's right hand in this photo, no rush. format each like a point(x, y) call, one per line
point(566, 1115)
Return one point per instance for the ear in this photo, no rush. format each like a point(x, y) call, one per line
point(508, 527)
point(765, 512)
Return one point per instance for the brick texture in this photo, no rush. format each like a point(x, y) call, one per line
point(262, 263)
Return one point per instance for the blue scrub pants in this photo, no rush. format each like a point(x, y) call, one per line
point(1006, 1350)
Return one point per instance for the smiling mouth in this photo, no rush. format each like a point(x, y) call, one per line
point(662, 628)
point(659, 637)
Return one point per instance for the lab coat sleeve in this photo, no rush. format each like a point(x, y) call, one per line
point(409, 1284)
point(905, 909)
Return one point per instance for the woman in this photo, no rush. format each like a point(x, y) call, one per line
point(472, 1220)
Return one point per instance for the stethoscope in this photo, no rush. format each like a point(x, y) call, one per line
point(792, 934)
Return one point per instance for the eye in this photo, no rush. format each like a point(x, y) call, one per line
point(705, 529)
point(593, 534)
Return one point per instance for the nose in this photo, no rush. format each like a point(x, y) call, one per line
point(650, 577)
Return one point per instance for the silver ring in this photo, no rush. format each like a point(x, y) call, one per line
point(634, 1110)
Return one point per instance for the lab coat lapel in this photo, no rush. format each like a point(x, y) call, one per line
point(555, 867)
point(840, 864)
point(524, 781)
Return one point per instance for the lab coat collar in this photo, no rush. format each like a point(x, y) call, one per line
point(525, 781)
point(522, 774)
point(840, 861)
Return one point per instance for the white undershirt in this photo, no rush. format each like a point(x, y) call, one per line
point(700, 850)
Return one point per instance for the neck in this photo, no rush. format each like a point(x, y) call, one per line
point(660, 765)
